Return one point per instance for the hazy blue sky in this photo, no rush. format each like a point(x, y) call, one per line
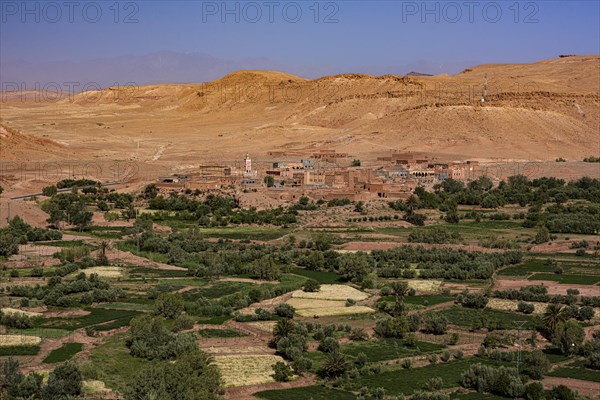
point(356, 34)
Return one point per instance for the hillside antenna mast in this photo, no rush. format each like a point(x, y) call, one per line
point(485, 88)
point(520, 325)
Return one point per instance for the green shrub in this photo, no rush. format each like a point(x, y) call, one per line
point(283, 372)
point(536, 365)
point(311, 285)
point(435, 324)
point(525, 308)
point(285, 310)
point(169, 305)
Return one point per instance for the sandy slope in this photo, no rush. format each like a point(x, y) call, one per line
point(542, 111)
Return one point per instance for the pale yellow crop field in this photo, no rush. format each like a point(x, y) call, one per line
point(19, 340)
point(424, 285)
point(246, 370)
point(300, 304)
point(331, 311)
point(266, 326)
point(228, 350)
point(324, 308)
point(332, 292)
point(103, 272)
point(9, 311)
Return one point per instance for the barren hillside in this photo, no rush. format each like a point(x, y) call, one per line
point(536, 111)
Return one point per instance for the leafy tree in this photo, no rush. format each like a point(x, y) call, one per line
point(192, 377)
point(169, 305)
point(285, 310)
point(269, 181)
point(525, 308)
point(9, 244)
point(355, 266)
point(359, 207)
point(302, 364)
point(329, 344)
point(542, 235)
point(562, 392)
point(481, 184)
point(535, 391)
point(473, 300)
point(150, 191)
point(63, 381)
point(536, 364)
point(283, 372)
point(10, 377)
point(355, 163)
point(311, 285)
point(392, 327)
point(568, 336)
point(436, 324)
point(266, 268)
point(49, 191)
point(358, 335)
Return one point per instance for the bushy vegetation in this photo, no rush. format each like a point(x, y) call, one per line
point(81, 290)
point(191, 377)
point(19, 232)
point(63, 382)
point(434, 235)
point(497, 380)
point(217, 210)
point(150, 339)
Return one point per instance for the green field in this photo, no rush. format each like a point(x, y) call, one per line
point(466, 317)
point(19, 351)
point(41, 332)
point(217, 290)
point(527, 268)
point(406, 381)
point(220, 333)
point(380, 350)
point(262, 233)
point(127, 306)
point(428, 300)
point(389, 349)
point(324, 277)
point(63, 353)
point(306, 393)
point(156, 273)
point(566, 279)
point(577, 372)
point(113, 364)
point(96, 316)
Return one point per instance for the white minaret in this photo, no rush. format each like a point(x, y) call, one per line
point(248, 164)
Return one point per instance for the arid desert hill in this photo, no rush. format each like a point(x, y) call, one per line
point(537, 111)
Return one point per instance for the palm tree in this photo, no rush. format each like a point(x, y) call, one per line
point(335, 364)
point(411, 205)
point(102, 259)
point(400, 289)
point(553, 315)
point(283, 328)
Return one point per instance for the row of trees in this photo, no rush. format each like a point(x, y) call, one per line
point(19, 232)
point(81, 290)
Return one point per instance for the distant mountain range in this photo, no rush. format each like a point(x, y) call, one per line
point(174, 67)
